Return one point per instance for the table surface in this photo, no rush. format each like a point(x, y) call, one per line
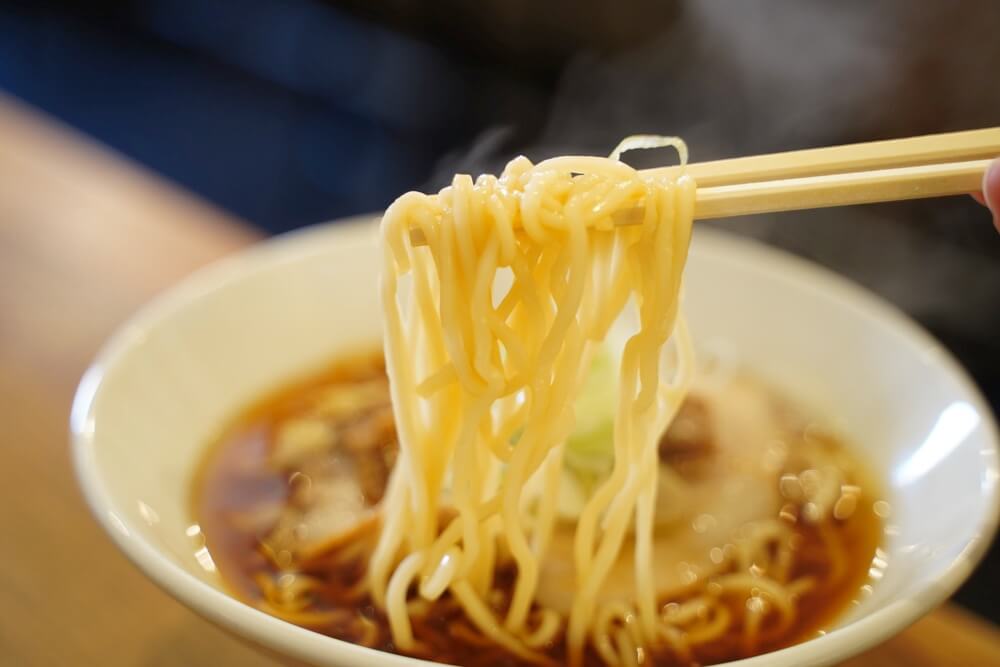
point(85, 238)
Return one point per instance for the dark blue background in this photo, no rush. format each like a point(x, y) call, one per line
point(284, 112)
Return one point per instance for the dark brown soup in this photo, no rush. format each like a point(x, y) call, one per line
point(287, 502)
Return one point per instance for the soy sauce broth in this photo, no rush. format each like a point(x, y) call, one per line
point(238, 491)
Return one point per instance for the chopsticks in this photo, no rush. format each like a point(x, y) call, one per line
point(909, 152)
point(861, 187)
point(915, 168)
point(918, 167)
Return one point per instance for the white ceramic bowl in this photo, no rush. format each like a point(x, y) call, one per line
point(162, 386)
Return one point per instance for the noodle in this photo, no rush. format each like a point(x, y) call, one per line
point(484, 377)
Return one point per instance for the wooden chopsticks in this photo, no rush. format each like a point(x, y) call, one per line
point(918, 167)
point(909, 152)
point(861, 187)
point(915, 168)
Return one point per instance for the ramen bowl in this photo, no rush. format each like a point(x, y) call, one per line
point(172, 376)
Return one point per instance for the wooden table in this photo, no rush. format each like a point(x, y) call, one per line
point(85, 238)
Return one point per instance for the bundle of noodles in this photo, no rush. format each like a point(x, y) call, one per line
point(491, 324)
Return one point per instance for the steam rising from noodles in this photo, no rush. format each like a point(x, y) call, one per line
point(491, 326)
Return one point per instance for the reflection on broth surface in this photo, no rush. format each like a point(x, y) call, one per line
point(764, 524)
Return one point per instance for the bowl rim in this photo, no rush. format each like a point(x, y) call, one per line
point(289, 639)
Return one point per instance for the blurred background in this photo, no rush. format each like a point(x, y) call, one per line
point(293, 112)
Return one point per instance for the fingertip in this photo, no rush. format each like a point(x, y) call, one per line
point(991, 186)
point(991, 191)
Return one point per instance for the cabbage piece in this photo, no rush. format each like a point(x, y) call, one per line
point(590, 448)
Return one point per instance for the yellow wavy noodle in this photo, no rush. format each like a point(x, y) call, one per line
point(484, 377)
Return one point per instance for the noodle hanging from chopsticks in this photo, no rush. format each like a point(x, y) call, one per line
point(491, 325)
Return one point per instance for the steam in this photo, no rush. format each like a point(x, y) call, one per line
point(753, 76)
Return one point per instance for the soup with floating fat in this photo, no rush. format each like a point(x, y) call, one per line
point(287, 502)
